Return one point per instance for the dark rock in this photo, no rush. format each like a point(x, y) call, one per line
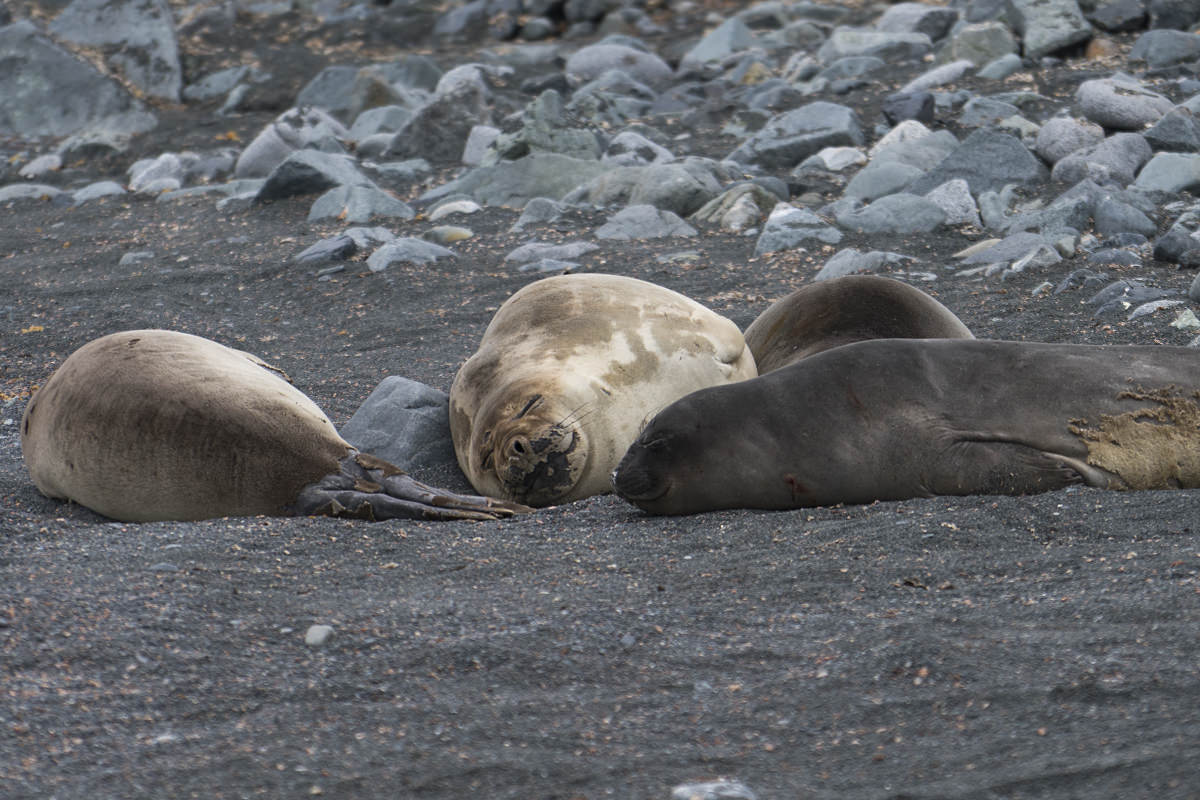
point(911, 105)
point(986, 160)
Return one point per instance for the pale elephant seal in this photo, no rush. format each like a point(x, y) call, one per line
point(827, 314)
point(158, 425)
point(898, 418)
point(566, 374)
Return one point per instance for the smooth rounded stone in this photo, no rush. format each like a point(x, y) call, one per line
point(438, 130)
point(97, 190)
point(334, 248)
point(1186, 320)
point(938, 76)
point(317, 635)
point(294, 129)
point(643, 222)
point(903, 131)
point(381, 119)
point(1047, 26)
point(895, 213)
point(789, 138)
point(980, 43)
point(903, 106)
point(358, 204)
point(137, 37)
point(1000, 68)
point(566, 251)
point(29, 191)
point(1178, 131)
point(713, 790)
point(309, 172)
point(854, 262)
point(445, 209)
point(548, 265)
point(146, 171)
point(51, 162)
point(630, 149)
point(1164, 48)
point(933, 21)
point(1115, 257)
point(589, 63)
point(881, 178)
point(514, 183)
point(538, 211)
point(985, 111)
point(479, 141)
point(407, 250)
point(1061, 136)
point(463, 77)
point(1010, 248)
point(954, 198)
point(1178, 245)
point(835, 159)
point(405, 422)
point(1113, 217)
point(1170, 172)
point(682, 187)
point(1121, 103)
point(731, 36)
point(986, 160)
point(1120, 296)
point(738, 208)
point(1146, 309)
point(135, 258)
point(888, 45)
point(1117, 160)
point(48, 91)
point(788, 227)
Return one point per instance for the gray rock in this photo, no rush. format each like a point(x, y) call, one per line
point(145, 172)
point(1178, 131)
point(1170, 172)
point(293, 130)
point(938, 76)
point(548, 265)
point(896, 213)
point(1061, 136)
point(852, 67)
point(933, 21)
point(954, 198)
point(986, 160)
point(1011, 248)
point(1047, 26)
point(309, 172)
point(881, 178)
point(1174, 14)
point(1000, 68)
point(404, 422)
point(407, 250)
point(903, 106)
point(479, 144)
point(95, 191)
point(789, 227)
point(888, 45)
point(1119, 16)
point(335, 248)
point(643, 222)
point(358, 204)
point(381, 119)
point(853, 262)
point(980, 43)
point(49, 92)
point(1113, 217)
point(137, 37)
point(1164, 48)
point(538, 211)
point(407, 171)
point(985, 112)
point(628, 149)
point(215, 84)
point(731, 36)
point(535, 251)
point(589, 63)
point(29, 191)
point(713, 790)
point(1178, 246)
point(438, 130)
point(545, 129)
point(51, 162)
point(791, 137)
point(514, 183)
point(463, 23)
point(317, 635)
point(1120, 102)
point(681, 187)
point(1117, 160)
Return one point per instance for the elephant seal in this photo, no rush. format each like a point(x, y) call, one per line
point(827, 314)
point(891, 419)
point(159, 425)
point(568, 371)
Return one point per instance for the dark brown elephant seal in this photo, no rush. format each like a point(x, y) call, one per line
point(566, 374)
point(897, 418)
point(158, 425)
point(827, 314)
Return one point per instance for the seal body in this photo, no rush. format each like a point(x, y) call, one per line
point(892, 419)
point(568, 371)
point(159, 425)
point(827, 314)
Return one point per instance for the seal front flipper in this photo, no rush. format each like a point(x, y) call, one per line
point(367, 487)
point(1008, 467)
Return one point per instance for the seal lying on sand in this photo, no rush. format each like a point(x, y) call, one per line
point(569, 370)
point(827, 314)
point(158, 425)
point(897, 418)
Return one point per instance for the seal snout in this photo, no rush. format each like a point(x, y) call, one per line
point(633, 481)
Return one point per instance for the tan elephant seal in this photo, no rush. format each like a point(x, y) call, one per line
point(569, 370)
point(158, 425)
point(892, 419)
point(827, 314)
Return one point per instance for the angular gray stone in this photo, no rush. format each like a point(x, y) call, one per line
point(933, 21)
point(980, 43)
point(309, 172)
point(643, 222)
point(954, 198)
point(29, 191)
point(1047, 26)
point(407, 250)
point(986, 160)
point(589, 63)
point(1114, 217)
point(789, 227)
point(438, 130)
point(896, 213)
point(628, 149)
point(1170, 172)
point(1120, 102)
point(1011, 248)
point(358, 204)
point(1000, 68)
point(381, 119)
point(1061, 136)
point(938, 76)
point(789, 138)
point(404, 422)
point(881, 178)
point(94, 191)
point(854, 262)
point(294, 129)
point(536, 251)
point(1164, 48)
point(1117, 160)
point(514, 183)
point(546, 129)
point(681, 187)
point(1178, 131)
point(890, 46)
point(985, 112)
point(731, 36)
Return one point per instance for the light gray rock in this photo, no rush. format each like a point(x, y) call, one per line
point(381, 119)
point(1047, 26)
point(215, 84)
point(1117, 160)
point(1120, 102)
point(95, 191)
point(629, 149)
point(310, 172)
point(1164, 48)
point(938, 76)
point(643, 222)
point(713, 790)
point(538, 211)
point(854, 262)
point(982, 112)
point(544, 129)
point(293, 130)
point(731, 36)
point(789, 227)
point(1000, 68)
point(358, 204)
point(404, 422)
point(589, 63)
point(789, 138)
point(895, 213)
point(954, 198)
point(480, 142)
point(49, 92)
point(407, 250)
point(145, 172)
point(514, 183)
point(1061, 136)
point(51, 162)
point(986, 160)
point(980, 43)
point(1170, 172)
point(835, 159)
point(738, 208)
point(1011, 248)
point(1178, 131)
point(881, 178)
point(137, 37)
point(681, 187)
point(28, 191)
point(933, 21)
point(888, 45)
point(535, 251)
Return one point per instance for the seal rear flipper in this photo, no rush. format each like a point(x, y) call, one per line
point(366, 487)
point(1001, 467)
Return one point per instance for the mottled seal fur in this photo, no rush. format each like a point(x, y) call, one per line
point(159, 425)
point(827, 314)
point(892, 419)
point(569, 370)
